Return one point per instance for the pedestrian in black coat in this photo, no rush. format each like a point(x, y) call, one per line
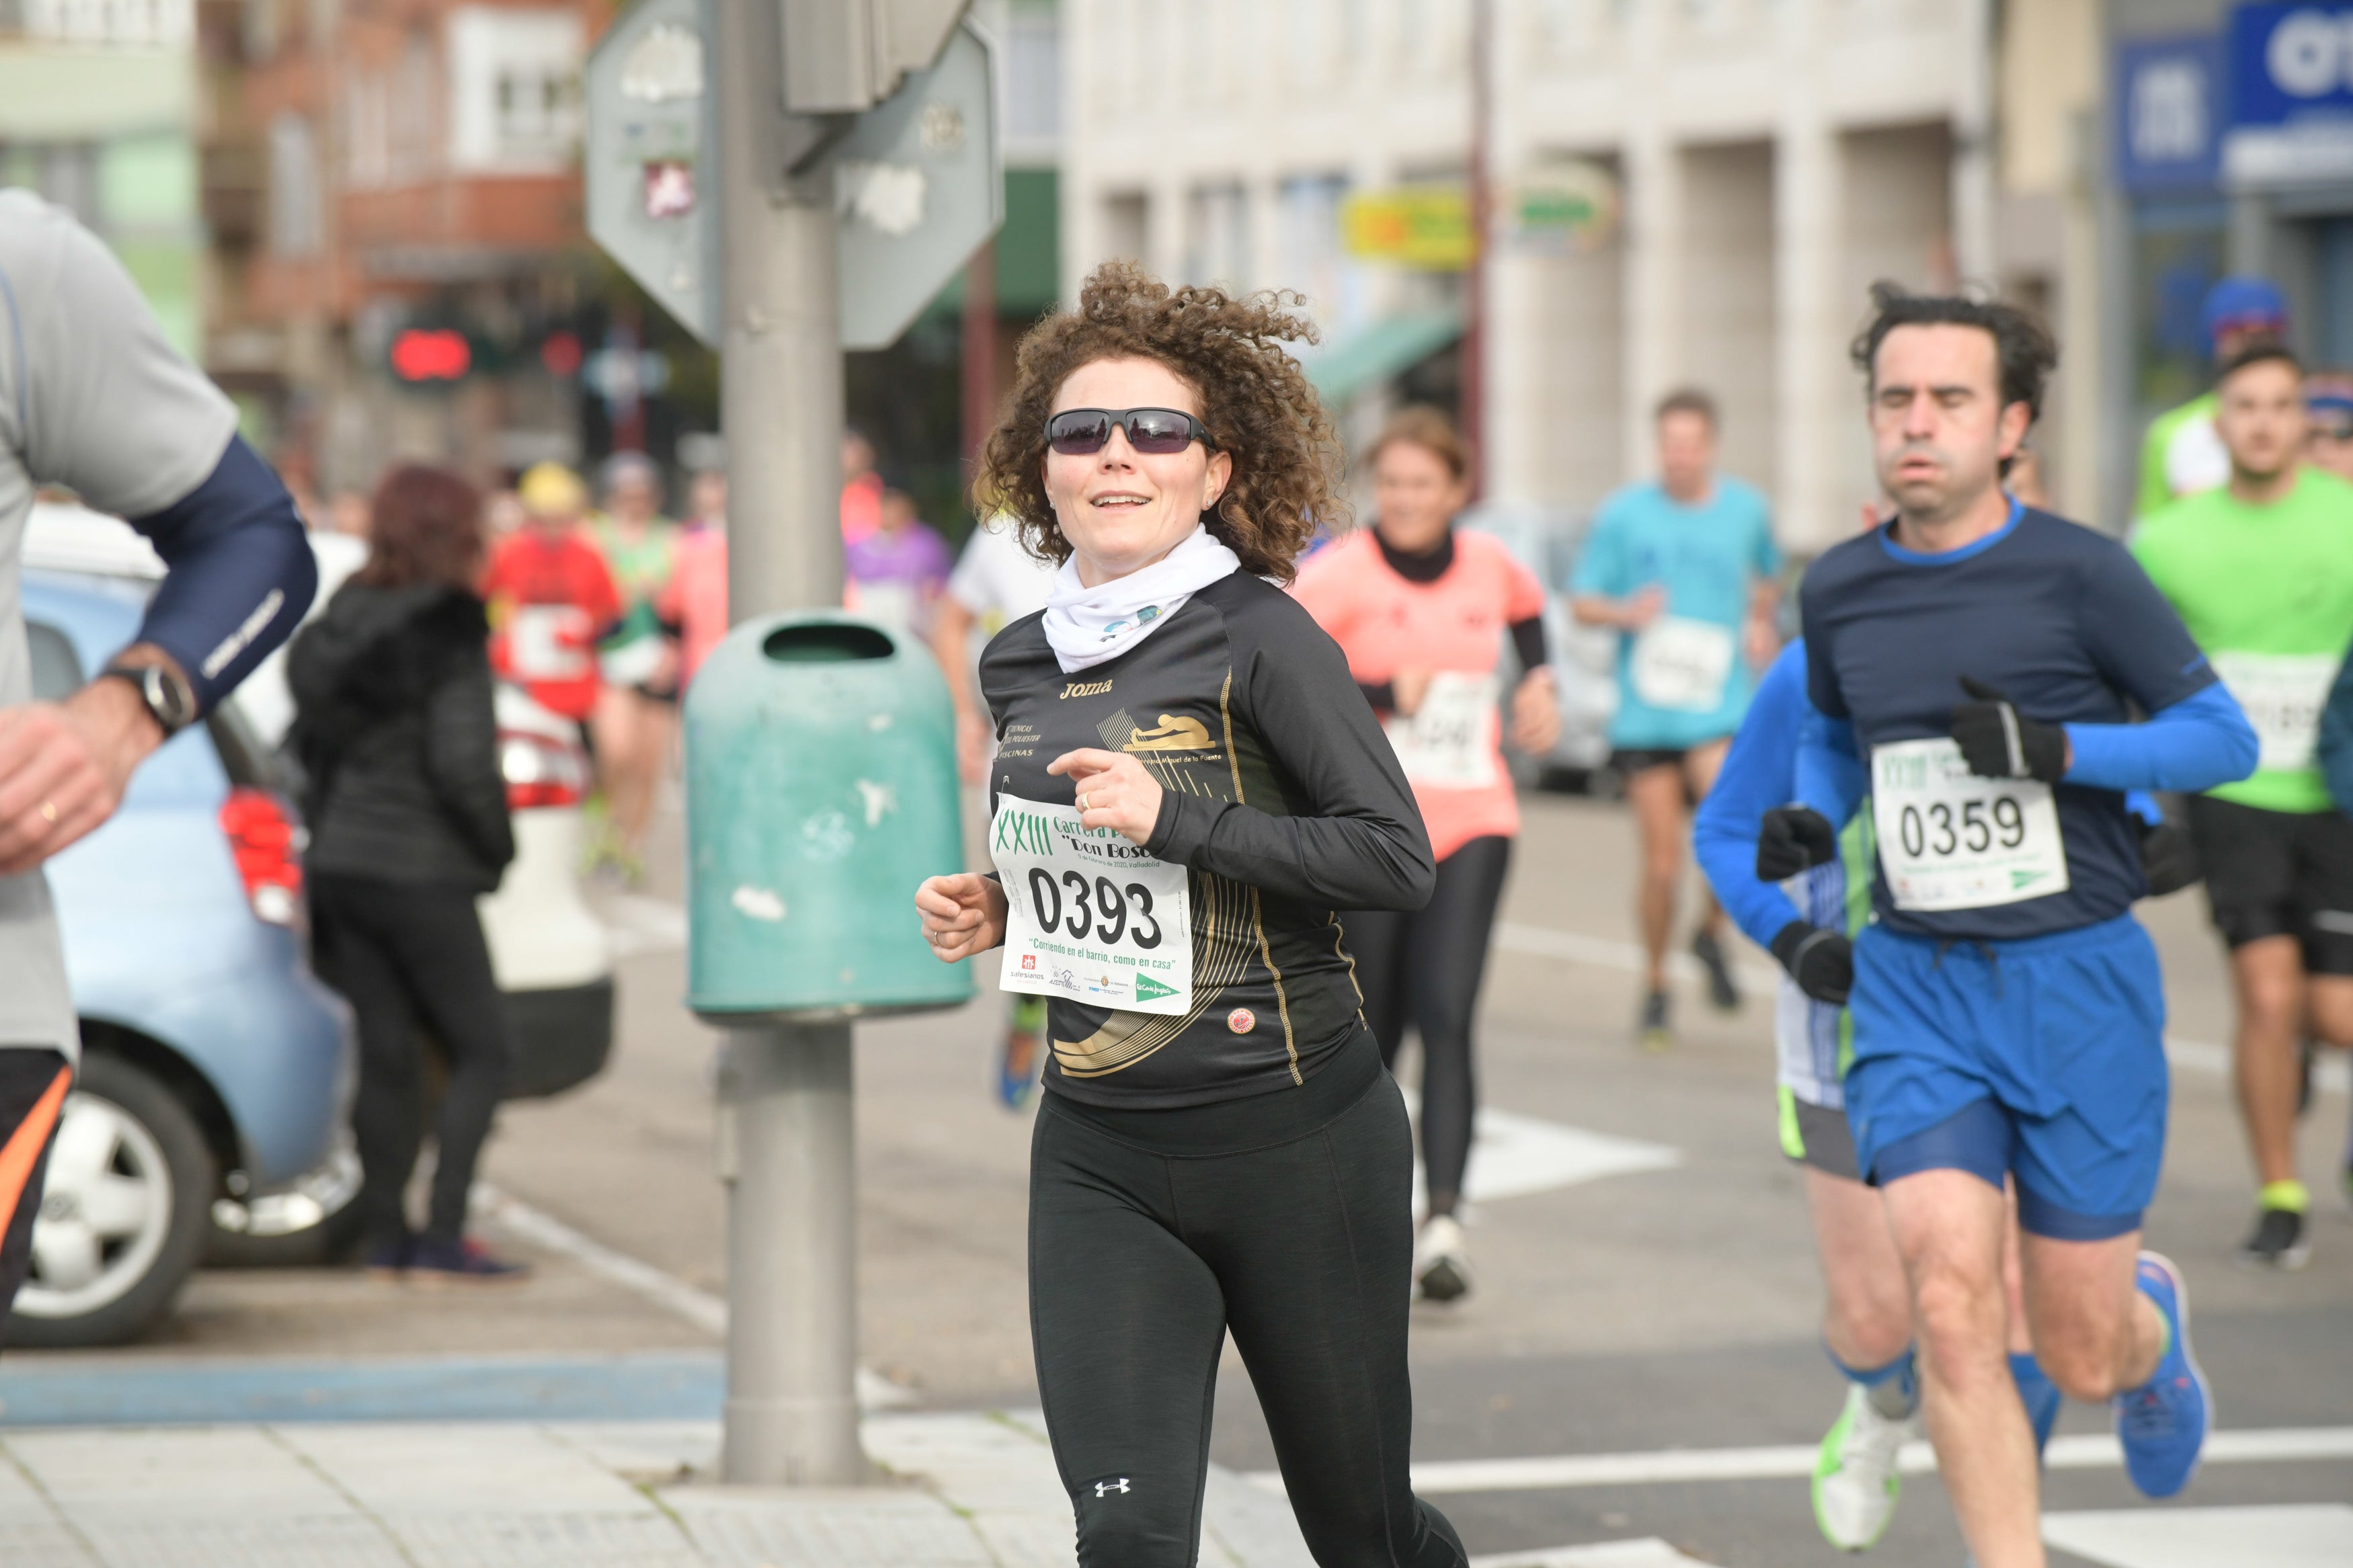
point(408, 812)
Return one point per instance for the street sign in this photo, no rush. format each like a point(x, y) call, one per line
point(1567, 208)
point(1423, 226)
point(651, 165)
point(846, 58)
point(2167, 124)
point(918, 186)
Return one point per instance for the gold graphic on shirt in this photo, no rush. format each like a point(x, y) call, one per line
point(1174, 734)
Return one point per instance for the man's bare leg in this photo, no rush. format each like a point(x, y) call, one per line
point(1867, 1312)
point(2095, 1333)
point(1701, 765)
point(1656, 796)
point(2267, 975)
point(1949, 1228)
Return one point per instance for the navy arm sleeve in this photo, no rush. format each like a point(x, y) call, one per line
point(1758, 774)
point(1359, 843)
point(239, 573)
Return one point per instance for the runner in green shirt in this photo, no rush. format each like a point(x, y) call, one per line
point(2261, 571)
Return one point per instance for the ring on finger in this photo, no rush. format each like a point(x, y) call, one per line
point(50, 812)
point(1083, 800)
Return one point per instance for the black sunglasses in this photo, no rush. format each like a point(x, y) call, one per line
point(1082, 432)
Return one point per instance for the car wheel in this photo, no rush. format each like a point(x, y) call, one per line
point(315, 1222)
point(123, 1211)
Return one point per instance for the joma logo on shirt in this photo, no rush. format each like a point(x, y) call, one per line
point(1086, 689)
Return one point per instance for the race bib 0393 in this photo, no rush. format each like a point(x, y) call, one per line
point(1951, 840)
point(1089, 915)
point(2282, 696)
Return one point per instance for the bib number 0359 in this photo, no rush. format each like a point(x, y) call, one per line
point(1949, 839)
point(1089, 915)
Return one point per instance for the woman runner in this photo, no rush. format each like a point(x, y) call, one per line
point(1420, 609)
point(1186, 786)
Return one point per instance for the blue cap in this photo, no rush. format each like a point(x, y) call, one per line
point(2240, 301)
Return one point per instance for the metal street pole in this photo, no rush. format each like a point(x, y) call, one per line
point(1472, 399)
point(786, 1103)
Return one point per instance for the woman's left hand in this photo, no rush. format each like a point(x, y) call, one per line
point(1535, 713)
point(1114, 792)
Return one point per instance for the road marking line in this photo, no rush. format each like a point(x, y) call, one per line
point(1647, 1552)
point(1513, 1155)
point(2318, 1535)
point(1789, 1461)
point(2333, 1071)
point(697, 1306)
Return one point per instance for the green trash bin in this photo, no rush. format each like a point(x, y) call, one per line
point(820, 790)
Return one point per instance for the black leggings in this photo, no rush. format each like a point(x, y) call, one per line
point(1424, 969)
point(408, 954)
point(1284, 1217)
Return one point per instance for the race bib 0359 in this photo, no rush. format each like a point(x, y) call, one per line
point(1089, 915)
point(1951, 840)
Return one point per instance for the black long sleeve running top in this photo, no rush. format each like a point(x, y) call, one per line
point(1284, 803)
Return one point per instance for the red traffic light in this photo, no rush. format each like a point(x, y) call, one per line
point(430, 353)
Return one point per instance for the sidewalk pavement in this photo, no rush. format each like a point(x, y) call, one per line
point(962, 1490)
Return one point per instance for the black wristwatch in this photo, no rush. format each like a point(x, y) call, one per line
point(169, 696)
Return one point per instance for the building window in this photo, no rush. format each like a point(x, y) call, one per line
point(136, 24)
point(514, 89)
point(1033, 76)
point(296, 226)
point(1217, 245)
point(1307, 239)
point(1127, 227)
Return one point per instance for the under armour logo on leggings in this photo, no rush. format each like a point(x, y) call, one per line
point(1104, 1488)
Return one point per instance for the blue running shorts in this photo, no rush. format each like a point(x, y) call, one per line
point(2042, 1057)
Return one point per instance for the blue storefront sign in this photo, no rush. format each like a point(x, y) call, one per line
point(2290, 94)
point(2169, 114)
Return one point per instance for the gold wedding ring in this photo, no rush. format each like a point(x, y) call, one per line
point(1083, 800)
point(49, 811)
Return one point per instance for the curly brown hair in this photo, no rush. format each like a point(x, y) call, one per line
point(1258, 405)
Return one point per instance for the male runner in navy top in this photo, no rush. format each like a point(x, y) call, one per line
point(1972, 662)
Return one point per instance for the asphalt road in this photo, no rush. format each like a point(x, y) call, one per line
point(1646, 1292)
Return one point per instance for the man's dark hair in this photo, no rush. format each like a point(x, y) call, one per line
point(2263, 351)
point(2024, 350)
point(1688, 400)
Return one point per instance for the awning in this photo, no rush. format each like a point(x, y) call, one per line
point(1383, 350)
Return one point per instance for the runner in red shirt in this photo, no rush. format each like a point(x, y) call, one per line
point(549, 596)
point(1422, 609)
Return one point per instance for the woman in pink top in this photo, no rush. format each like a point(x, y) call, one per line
point(694, 602)
point(1421, 610)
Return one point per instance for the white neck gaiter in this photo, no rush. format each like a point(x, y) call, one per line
point(1087, 625)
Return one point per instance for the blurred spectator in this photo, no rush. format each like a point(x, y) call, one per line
point(694, 604)
point(635, 717)
point(348, 513)
point(2328, 400)
point(503, 514)
point(549, 596)
point(862, 488)
point(895, 573)
point(408, 826)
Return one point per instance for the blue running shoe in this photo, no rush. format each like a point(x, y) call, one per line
point(2040, 1395)
point(2162, 1424)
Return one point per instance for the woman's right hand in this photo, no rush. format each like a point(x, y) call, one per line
point(963, 914)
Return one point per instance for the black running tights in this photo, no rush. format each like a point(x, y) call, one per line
point(1141, 1261)
point(1423, 969)
point(411, 955)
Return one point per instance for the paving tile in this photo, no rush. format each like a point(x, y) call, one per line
point(808, 1527)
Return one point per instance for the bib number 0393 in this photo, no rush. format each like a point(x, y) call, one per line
point(1949, 839)
point(1089, 915)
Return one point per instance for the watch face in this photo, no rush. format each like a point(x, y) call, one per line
point(169, 695)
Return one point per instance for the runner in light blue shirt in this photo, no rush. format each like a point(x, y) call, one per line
point(1684, 568)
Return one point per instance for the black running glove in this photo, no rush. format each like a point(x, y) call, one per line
point(1821, 961)
point(1997, 741)
point(2169, 860)
point(1793, 839)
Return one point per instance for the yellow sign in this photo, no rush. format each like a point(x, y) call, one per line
point(1424, 227)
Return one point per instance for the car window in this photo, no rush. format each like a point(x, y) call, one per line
point(57, 670)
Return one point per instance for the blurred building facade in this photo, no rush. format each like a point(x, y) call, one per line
point(101, 111)
point(1747, 167)
point(398, 230)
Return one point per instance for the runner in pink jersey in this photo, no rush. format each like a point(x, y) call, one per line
point(1422, 609)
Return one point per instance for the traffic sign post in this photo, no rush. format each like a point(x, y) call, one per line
point(787, 177)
